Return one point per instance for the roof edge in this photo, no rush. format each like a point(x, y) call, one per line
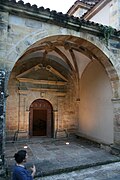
point(52, 17)
point(95, 9)
point(76, 6)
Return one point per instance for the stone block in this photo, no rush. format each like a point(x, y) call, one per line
point(117, 137)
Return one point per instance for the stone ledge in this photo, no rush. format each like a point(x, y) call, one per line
point(74, 168)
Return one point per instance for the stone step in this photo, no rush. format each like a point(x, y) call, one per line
point(115, 150)
point(72, 168)
point(52, 170)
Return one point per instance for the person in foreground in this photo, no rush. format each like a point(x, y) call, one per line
point(19, 171)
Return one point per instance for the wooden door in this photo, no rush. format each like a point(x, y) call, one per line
point(39, 122)
point(41, 118)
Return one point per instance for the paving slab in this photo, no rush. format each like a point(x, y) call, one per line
point(54, 156)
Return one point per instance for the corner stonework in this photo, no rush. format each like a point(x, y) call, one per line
point(2, 121)
point(116, 102)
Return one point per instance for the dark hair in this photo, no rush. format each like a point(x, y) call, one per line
point(20, 156)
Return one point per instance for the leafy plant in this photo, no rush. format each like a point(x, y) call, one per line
point(107, 32)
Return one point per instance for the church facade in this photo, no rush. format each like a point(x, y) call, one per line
point(59, 75)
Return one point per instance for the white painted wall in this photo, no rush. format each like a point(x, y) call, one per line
point(115, 14)
point(80, 12)
point(96, 111)
point(103, 16)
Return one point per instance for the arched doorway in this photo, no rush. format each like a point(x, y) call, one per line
point(41, 118)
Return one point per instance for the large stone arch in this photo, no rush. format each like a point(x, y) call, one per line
point(94, 43)
point(97, 47)
point(21, 47)
point(98, 50)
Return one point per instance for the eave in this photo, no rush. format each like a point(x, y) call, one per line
point(52, 17)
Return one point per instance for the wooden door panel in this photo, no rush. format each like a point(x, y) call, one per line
point(41, 122)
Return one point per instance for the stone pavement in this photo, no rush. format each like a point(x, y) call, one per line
point(54, 156)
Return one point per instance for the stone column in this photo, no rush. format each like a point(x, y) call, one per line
point(60, 112)
point(27, 121)
point(116, 105)
point(60, 131)
point(55, 115)
point(22, 121)
point(2, 118)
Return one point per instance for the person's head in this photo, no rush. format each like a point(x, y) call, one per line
point(20, 156)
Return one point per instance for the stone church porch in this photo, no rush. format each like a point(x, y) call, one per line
point(57, 72)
